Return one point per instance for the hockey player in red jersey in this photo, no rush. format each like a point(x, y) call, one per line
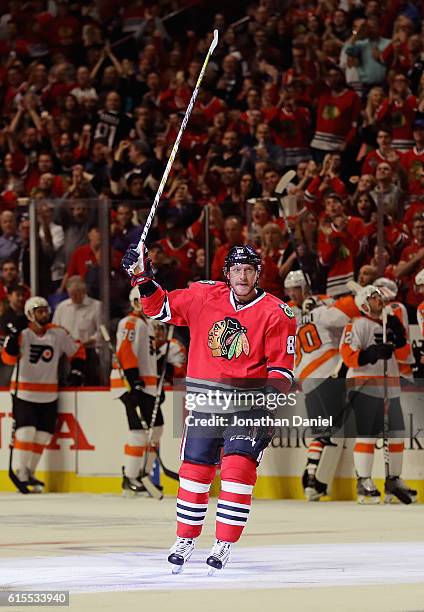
point(35, 352)
point(241, 337)
point(364, 352)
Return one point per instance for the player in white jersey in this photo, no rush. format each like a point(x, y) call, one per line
point(35, 352)
point(317, 366)
point(404, 356)
point(419, 286)
point(134, 382)
point(364, 353)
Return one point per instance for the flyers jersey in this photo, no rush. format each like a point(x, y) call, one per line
point(317, 346)
point(230, 345)
point(404, 355)
point(135, 348)
point(39, 360)
point(368, 379)
point(420, 318)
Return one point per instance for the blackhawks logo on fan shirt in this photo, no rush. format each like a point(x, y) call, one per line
point(227, 338)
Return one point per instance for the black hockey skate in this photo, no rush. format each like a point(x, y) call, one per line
point(219, 557)
point(131, 487)
point(313, 488)
point(396, 489)
point(367, 491)
point(181, 553)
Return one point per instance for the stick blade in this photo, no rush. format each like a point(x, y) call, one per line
point(284, 181)
point(151, 488)
point(104, 332)
point(214, 41)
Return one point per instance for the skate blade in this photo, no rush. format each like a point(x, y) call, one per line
point(312, 495)
point(364, 500)
point(389, 498)
point(133, 494)
point(177, 569)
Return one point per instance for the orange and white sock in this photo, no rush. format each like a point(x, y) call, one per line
point(396, 448)
point(134, 451)
point(363, 456)
point(22, 450)
point(41, 440)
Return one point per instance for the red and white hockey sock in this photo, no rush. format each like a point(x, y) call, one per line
point(363, 456)
point(41, 440)
point(134, 451)
point(193, 497)
point(22, 450)
point(396, 448)
point(238, 477)
point(315, 449)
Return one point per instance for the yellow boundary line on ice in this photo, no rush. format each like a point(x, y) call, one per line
point(267, 487)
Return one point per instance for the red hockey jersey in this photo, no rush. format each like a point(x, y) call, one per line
point(231, 347)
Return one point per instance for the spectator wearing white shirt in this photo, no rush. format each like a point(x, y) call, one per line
point(52, 240)
point(80, 315)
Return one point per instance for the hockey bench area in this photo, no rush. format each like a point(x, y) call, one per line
point(110, 552)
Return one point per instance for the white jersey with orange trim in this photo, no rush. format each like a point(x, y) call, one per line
point(177, 357)
point(317, 346)
point(37, 370)
point(404, 355)
point(368, 379)
point(420, 318)
point(135, 348)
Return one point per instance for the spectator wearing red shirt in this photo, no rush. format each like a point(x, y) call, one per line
point(337, 116)
point(328, 180)
point(413, 163)
point(10, 278)
point(384, 153)
point(88, 256)
point(411, 262)
point(272, 256)
point(399, 110)
point(233, 230)
point(339, 243)
point(44, 166)
point(176, 245)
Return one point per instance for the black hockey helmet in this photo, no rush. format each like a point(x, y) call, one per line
point(242, 254)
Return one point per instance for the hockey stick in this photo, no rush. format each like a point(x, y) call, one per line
point(174, 149)
point(22, 488)
point(403, 497)
point(106, 337)
point(279, 190)
point(150, 487)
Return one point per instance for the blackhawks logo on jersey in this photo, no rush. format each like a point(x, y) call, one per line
point(227, 338)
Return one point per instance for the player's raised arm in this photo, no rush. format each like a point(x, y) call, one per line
point(167, 307)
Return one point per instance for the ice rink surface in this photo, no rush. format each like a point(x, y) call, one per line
point(110, 553)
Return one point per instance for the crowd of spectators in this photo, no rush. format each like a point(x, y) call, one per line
point(92, 96)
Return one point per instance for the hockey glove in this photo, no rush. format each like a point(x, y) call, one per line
point(398, 331)
point(76, 376)
point(375, 352)
point(135, 382)
point(396, 334)
point(144, 277)
point(12, 340)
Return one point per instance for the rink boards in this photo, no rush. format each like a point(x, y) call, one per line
point(86, 453)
